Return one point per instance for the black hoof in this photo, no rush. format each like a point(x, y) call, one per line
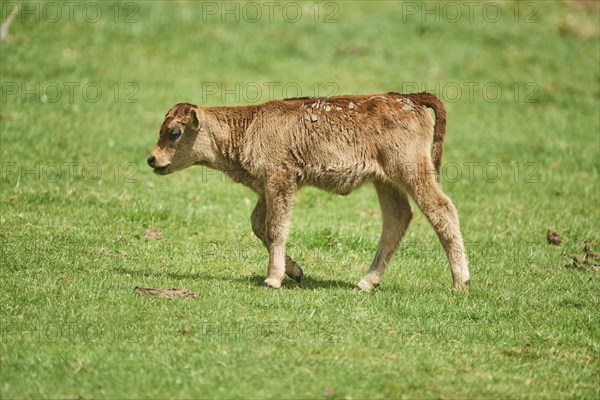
point(297, 274)
point(300, 276)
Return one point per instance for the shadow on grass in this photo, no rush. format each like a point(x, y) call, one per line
point(309, 283)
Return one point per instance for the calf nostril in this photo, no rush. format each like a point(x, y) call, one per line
point(151, 160)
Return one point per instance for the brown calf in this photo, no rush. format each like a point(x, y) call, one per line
point(336, 144)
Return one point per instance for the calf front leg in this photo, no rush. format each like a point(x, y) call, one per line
point(259, 216)
point(278, 196)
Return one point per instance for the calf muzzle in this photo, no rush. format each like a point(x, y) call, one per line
point(151, 161)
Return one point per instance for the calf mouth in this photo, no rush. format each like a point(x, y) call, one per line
point(162, 170)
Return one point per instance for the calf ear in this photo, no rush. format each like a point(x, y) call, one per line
point(196, 120)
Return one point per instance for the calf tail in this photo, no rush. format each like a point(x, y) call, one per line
point(439, 131)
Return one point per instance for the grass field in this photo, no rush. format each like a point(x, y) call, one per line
point(85, 221)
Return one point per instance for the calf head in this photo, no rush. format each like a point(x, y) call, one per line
point(183, 140)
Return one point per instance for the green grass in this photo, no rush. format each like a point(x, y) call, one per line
point(77, 199)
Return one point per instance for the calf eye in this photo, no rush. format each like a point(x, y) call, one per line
point(175, 133)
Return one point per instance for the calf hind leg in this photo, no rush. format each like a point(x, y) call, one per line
point(443, 216)
point(397, 214)
point(258, 218)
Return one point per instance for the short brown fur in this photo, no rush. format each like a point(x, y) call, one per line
point(336, 144)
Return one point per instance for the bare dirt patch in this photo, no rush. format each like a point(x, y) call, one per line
point(153, 234)
point(165, 293)
point(553, 238)
point(588, 260)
